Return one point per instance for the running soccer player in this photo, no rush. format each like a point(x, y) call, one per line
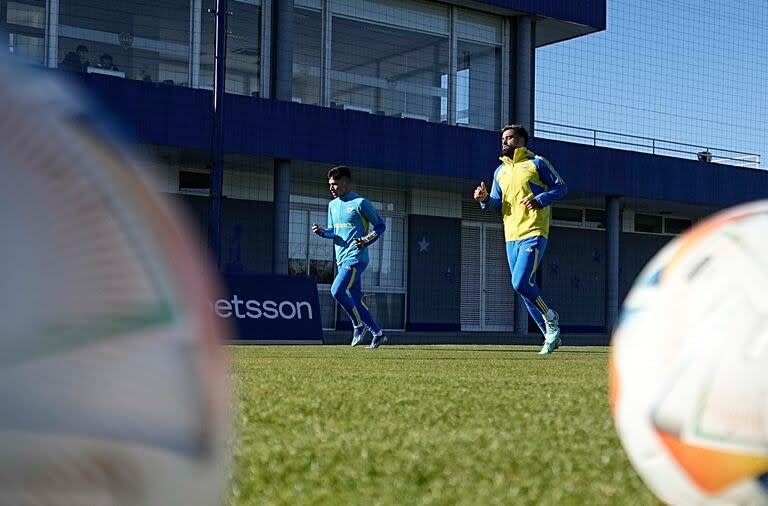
point(524, 186)
point(349, 219)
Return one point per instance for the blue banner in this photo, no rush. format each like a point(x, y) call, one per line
point(272, 308)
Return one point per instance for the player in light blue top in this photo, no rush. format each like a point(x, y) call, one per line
point(350, 218)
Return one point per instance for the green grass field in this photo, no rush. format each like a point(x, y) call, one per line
point(474, 425)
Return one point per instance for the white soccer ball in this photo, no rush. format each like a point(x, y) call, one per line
point(689, 364)
point(112, 381)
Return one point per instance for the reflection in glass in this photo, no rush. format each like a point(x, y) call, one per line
point(322, 271)
point(306, 56)
point(387, 70)
point(243, 48)
point(147, 41)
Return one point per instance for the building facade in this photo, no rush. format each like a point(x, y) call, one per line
point(411, 94)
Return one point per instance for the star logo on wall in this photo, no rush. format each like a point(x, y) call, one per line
point(423, 245)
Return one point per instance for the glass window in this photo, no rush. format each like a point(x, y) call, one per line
point(321, 263)
point(298, 243)
point(309, 254)
point(567, 214)
point(25, 24)
point(479, 27)
point(648, 223)
point(676, 225)
point(243, 47)
point(478, 69)
point(387, 257)
point(137, 39)
point(478, 85)
point(307, 55)
point(388, 309)
point(419, 15)
point(386, 69)
point(384, 281)
point(595, 217)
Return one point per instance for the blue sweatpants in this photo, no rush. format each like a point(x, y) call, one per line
point(347, 290)
point(524, 257)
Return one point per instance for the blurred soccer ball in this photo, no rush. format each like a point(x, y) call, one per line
point(689, 364)
point(112, 382)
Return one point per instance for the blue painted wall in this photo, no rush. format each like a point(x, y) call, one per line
point(177, 116)
point(247, 232)
point(584, 12)
point(434, 273)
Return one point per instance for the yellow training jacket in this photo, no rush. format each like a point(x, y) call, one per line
point(525, 175)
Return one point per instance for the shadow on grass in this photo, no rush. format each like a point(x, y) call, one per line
point(534, 349)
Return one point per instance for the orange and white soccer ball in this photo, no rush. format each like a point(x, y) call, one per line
point(112, 379)
point(689, 364)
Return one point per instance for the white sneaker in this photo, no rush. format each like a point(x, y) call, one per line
point(550, 347)
point(377, 341)
point(358, 333)
point(552, 339)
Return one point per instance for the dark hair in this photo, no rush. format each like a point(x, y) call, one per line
point(107, 56)
point(517, 129)
point(81, 48)
point(340, 171)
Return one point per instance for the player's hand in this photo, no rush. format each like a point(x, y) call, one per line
point(317, 229)
point(359, 243)
point(480, 192)
point(531, 204)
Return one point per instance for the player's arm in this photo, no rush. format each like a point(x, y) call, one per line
point(557, 188)
point(369, 213)
point(494, 198)
point(328, 233)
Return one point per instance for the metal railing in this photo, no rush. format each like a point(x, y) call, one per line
point(582, 135)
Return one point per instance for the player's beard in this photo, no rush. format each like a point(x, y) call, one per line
point(508, 151)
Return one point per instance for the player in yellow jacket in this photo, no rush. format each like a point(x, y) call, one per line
point(524, 186)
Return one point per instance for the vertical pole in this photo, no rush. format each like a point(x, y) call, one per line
point(452, 67)
point(612, 234)
point(325, 59)
point(217, 149)
point(523, 101)
point(52, 35)
point(525, 72)
point(195, 38)
point(282, 84)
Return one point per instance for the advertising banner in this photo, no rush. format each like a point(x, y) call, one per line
point(270, 308)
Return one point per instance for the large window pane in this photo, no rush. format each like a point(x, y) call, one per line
point(478, 85)
point(307, 252)
point(321, 264)
point(648, 223)
point(298, 240)
point(387, 267)
point(478, 70)
point(307, 56)
point(243, 47)
point(387, 70)
point(383, 281)
point(388, 309)
point(25, 27)
point(138, 39)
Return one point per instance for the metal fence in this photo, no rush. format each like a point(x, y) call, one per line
point(581, 135)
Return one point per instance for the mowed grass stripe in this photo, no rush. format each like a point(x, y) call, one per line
point(426, 425)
